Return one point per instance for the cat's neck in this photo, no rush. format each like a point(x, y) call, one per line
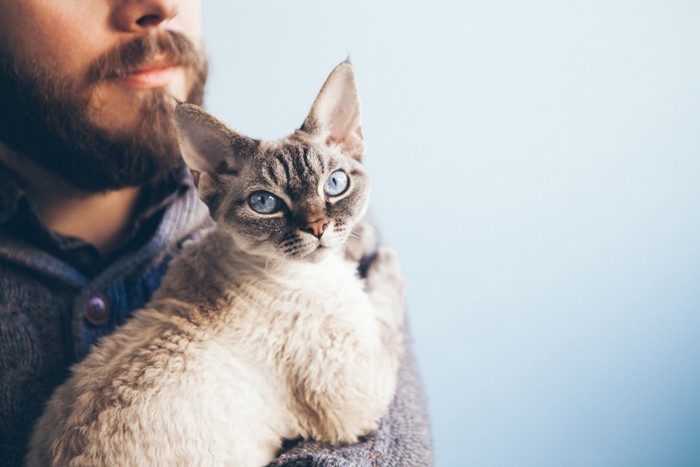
point(216, 266)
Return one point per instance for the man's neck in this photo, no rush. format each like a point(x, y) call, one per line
point(101, 219)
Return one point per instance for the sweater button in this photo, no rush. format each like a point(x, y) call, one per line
point(97, 311)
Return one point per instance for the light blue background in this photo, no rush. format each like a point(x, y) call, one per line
point(537, 166)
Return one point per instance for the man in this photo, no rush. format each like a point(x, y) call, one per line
point(94, 201)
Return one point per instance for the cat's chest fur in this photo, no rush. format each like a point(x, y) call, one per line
point(272, 318)
point(230, 288)
point(228, 350)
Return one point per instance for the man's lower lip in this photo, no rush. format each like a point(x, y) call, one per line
point(149, 79)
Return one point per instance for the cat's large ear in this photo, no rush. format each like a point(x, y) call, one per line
point(208, 146)
point(335, 114)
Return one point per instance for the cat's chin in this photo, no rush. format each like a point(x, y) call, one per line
point(311, 256)
point(319, 254)
point(314, 255)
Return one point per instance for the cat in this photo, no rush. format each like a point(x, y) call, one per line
point(261, 332)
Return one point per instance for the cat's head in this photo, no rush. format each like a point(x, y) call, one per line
point(297, 197)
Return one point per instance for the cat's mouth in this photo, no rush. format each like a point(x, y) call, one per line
point(305, 246)
point(317, 254)
point(313, 250)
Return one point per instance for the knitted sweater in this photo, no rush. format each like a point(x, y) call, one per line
point(51, 314)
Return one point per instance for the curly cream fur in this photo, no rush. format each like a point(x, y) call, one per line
point(221, 374)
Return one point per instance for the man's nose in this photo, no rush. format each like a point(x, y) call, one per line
point(141, 15)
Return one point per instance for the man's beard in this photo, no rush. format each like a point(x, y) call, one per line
point(45, 117)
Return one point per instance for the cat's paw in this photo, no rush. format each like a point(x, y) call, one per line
point(361, 242)
point(384, 272)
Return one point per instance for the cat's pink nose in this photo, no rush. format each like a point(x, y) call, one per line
point(317, 227)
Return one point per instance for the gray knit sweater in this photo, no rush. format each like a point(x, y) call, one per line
point(52, 313)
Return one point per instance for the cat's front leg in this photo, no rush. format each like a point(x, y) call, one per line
point(344, 367)
point(385, 287)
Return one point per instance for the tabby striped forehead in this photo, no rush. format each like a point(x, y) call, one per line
point(293, 167)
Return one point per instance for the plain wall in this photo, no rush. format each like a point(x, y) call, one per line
point(537, 166)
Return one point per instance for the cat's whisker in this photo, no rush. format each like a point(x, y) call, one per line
point(269, 258)
point(348, 246)
point(273, 257)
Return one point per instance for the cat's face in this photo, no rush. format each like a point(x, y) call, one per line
point(295, 198)
point(292, 199)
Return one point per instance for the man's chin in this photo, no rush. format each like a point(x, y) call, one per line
point(94, 159)
point(129, 167)
point(92, 138)
point(99, 163)
point(104, 166)
point(122, 110)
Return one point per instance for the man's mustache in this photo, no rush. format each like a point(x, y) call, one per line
point(171, 46)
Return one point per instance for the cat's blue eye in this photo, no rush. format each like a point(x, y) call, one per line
point(336, 184)
point(264, 202)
